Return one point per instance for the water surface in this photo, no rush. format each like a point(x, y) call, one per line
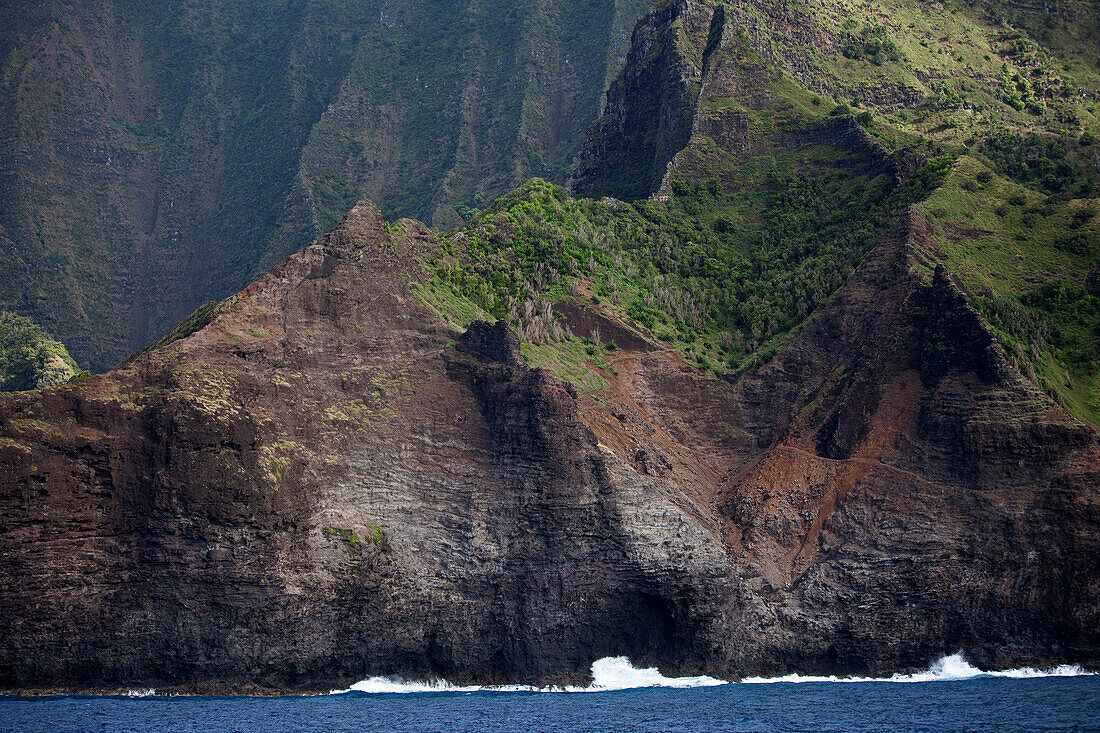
point(950, 697)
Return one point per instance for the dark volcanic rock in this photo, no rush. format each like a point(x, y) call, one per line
point(912, 494)
point(491, 343)
point(320, 481)
point(314, 487)
point(955, 338)
point(649, 109)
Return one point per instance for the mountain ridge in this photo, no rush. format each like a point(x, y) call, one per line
point(160, 159)
point(734, 428)
point(649, 458)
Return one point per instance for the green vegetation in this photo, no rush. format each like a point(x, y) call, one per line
point(949, 71)
point(716, 275)
point(29, 357)
point(349, 537)
point(747, 242)
point(873, 43)
point(725, 277)
point(457, 311)
point(1023, 257)
point(1040, 162)
point(570, 360)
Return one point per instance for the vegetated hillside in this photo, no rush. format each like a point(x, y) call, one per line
point(29, 358)
point(797, 181)
point(970, 74)
point(796, 412)
point(159, 156)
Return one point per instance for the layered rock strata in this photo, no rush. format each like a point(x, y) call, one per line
point(324, 482)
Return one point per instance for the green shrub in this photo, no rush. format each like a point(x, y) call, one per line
point(872, 43)
point(29, 357)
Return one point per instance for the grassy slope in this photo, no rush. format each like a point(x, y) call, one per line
point(939, 68)
point(726, 278)
point(1023, 257)
point(721, 277)
point(746, 249)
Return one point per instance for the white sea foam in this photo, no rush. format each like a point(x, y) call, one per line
point(141, 693)
point(617, 673)
point(394, 685)
point(946, 669)
point(608, 674)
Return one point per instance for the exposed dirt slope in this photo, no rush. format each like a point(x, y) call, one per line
point(325, 482)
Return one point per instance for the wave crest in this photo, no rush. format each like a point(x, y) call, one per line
point(608, 674)
point(617, 673)
point(950, 668)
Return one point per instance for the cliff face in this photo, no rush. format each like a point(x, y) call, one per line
point(156, 159)
point(911, 483)
point(321, 479)
point(324, 482)
point(648, 114)
point(699, 95)
point(315, 487)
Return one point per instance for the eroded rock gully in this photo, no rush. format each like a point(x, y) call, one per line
point(324, 483)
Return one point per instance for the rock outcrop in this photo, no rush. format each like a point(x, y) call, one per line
point(318, 479)
point(649, 109)
point(314, 487)
point(686, 97)
point(318, 485)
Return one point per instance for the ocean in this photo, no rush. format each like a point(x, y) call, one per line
point(950, 696)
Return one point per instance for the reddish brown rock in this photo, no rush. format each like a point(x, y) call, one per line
point(315, 487)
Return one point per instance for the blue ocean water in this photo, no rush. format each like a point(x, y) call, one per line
point(975, 705)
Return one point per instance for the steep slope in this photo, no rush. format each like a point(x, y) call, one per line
point(960, 73)
point(325, 481)
point(159, 157)
point(767, 421)
point(778, 172)
point(147, 152)
point(362, 495)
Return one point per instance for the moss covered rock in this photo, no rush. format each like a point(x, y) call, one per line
point(29, 357)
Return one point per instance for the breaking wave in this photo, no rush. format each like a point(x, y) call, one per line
point(946, 669)
point(617, 673)
point(608, 674)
